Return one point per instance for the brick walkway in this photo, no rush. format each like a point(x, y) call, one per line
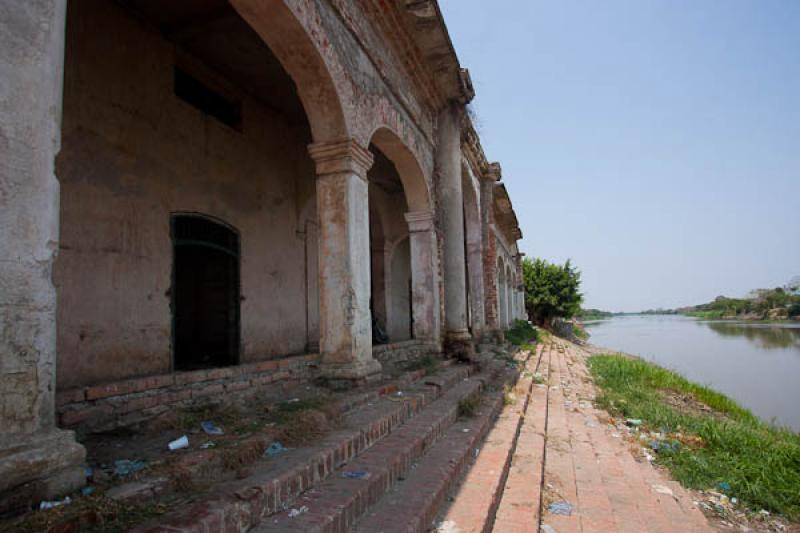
point(568, 472)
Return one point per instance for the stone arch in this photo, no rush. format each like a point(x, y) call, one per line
point(282, 26)
point(408, 168)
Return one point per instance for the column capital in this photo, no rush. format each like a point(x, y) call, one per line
point(341, 156)
point(493, 172)
point(419, 221)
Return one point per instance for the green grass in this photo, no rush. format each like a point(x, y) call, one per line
point(761, 463)
point(521, 332)
point(579, 332)
point(706, 315)
point(428, 363)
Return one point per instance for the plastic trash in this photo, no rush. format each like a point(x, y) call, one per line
point(55, 503)
point(126, 467)
point(724, 486)
point(211, 428)
point(177, 444)
point(563, 508)
point(87, 491)
point(665, 446)
point(633, 422)
point(356, 474)
point(274, 449)
point(297, 512)
point(547, 528)
point(207, 445)
point(662, 489)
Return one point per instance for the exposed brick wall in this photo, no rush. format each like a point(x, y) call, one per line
point(128, 402)
point(403, 351)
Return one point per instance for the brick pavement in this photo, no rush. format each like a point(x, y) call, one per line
point(565, 457)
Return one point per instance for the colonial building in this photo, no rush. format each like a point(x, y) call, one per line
point(201, 198)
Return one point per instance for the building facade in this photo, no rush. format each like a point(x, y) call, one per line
point(202, 198)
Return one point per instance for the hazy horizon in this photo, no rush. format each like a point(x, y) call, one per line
point(656, 144)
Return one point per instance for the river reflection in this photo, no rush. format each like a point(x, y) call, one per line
point(756, 364)
point(766, 336)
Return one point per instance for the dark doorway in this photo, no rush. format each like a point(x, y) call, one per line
point(205, 293)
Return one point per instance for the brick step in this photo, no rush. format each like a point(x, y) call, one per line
point(520, 503)
point(478, 495)
point(274, 483)
point(335, 504)
point(412, 505)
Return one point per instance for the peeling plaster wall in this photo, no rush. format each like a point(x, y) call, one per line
point(132, 154)
point(369, 94)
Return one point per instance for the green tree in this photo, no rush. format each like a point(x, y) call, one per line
point(551, 290)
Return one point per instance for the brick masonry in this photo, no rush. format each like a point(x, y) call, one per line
point(128, 402)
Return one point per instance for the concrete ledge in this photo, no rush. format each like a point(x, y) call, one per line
point(38, 467)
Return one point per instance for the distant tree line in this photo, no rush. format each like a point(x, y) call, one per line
point(552, 291)
point(761, 304)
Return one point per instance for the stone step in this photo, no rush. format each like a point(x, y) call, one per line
point(274, 483)
point(476, 499)
point(413, 504)
point(335, 504)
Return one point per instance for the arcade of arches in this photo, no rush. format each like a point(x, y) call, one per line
point(205, 197)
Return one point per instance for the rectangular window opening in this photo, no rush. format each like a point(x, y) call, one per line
point(195, 92)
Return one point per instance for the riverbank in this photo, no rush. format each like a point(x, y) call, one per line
point(717, 315)
point(705, 440)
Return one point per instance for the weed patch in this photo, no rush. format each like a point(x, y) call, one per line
point(760, 463)
point(468, 407)
point(428, 363)
point(521, 332)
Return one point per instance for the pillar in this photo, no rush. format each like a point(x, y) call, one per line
point(424, 288)
point(37, 460)
point(474, 253)
point(448, 161)
point(490, 273)
point(344, 270)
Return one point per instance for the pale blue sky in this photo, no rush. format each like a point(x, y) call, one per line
point(654, 142)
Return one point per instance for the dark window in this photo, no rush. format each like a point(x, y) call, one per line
point(205, 293)
point(207, 100)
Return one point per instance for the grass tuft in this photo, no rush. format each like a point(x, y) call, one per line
point(428, 363)
point(521, 332)
point(468, 407)
point(761, 463)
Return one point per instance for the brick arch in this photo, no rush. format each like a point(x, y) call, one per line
point(288, 29)
point(408, 168)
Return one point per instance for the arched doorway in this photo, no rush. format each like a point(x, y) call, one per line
point(205, 292)
point(400, 312)
point(404, 203)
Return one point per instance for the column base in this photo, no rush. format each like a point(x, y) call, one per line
point(351, 374)
point(459, 345)
point(42, 466)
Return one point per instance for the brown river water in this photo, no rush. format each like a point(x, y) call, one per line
point(756, 364)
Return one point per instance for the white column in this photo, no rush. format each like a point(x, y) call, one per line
point(474, 246)
point(424, 286)
point(37, 460)
point(448, 159)
point(344, 274)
